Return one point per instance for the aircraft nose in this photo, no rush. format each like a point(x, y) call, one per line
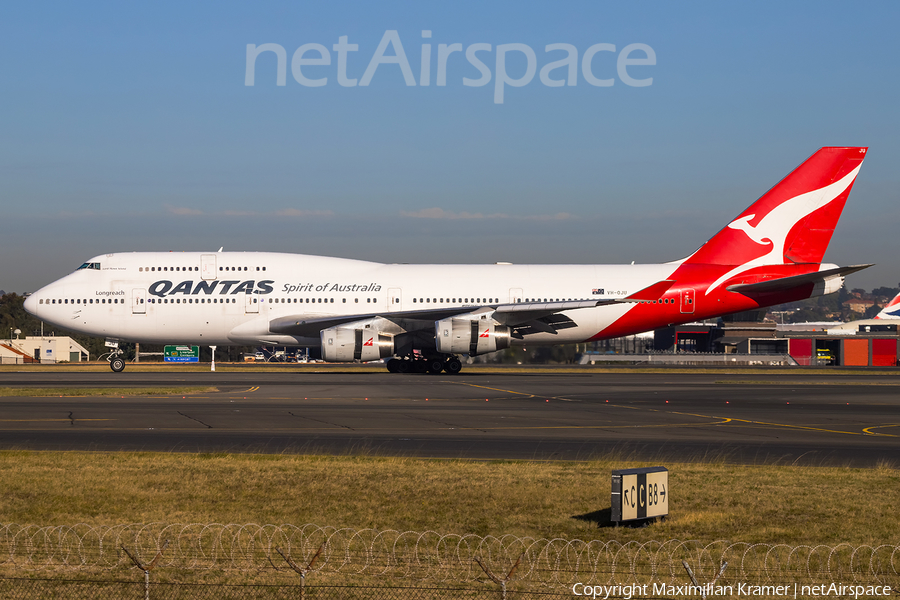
point(31, 305)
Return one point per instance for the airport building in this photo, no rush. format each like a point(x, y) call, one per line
point(744, 338)
point(806, 344)
point(41, 349)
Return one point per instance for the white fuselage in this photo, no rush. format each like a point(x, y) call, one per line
point(231, 297)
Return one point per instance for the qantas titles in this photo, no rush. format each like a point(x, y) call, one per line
point(330, 287)
point(164, 287)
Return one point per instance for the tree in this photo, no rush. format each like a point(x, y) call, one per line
point(872, 311)
point(886, 292)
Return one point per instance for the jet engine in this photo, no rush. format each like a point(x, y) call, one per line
point(470, 336)
point(346, 344)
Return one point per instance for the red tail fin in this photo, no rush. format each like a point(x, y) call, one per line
point(792, 222)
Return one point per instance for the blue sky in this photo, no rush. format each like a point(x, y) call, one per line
point(128, 126)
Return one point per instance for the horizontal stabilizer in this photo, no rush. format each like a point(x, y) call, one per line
point(788, 283)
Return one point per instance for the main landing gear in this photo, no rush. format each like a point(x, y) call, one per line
point(433, 365)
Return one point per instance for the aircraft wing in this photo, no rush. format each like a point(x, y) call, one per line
point(787, 283)
point(410, 320)
point(302, 325)
point(524, 317)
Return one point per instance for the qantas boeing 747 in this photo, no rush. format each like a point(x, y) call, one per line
point(424, 317)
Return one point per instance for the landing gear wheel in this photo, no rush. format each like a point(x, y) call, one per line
point(434, 366)
point(453, 366)
point(393, 365)
point(117, 364)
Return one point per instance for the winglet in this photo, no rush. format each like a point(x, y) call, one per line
point(652, 292)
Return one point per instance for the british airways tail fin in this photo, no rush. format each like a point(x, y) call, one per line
point(892, 310)
point(792, 222)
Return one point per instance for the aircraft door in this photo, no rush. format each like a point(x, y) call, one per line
point(687, 301)
point(138, 302)
point(251, 304)
point(208, 266)
point(515, 295)
point(394, 299)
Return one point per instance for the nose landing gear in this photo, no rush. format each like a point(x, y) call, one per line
point(116, 362)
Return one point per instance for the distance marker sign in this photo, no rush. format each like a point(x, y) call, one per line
point(639, 494)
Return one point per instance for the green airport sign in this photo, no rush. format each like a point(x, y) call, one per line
point(182, 354)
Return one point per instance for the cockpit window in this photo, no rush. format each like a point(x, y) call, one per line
point(95, 266)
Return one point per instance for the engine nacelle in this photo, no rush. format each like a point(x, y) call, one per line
point(470, 336)
point(345, 344)
point(829, 286)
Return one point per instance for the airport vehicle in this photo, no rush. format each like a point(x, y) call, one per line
point(824, 356)
point(424, 317)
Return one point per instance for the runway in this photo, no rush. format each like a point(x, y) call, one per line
point(775, 416)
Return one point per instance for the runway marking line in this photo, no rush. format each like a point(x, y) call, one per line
point(484, 387)
point(526, 394)
point(786, 425)
point(674, 425)
point(881, 427)
point(49, 420)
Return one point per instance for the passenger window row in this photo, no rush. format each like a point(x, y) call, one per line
point(313, 300)
point(152, 269)
point(139, 301)
point(168, 268)
point(455, 300)
point(79, 301)
point(317, 300)
point(191, 300)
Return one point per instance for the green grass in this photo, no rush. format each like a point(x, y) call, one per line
point(708, 501)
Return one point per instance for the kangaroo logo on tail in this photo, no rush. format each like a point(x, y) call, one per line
point(773, 228)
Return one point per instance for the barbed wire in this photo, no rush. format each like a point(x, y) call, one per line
point(434, 556)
